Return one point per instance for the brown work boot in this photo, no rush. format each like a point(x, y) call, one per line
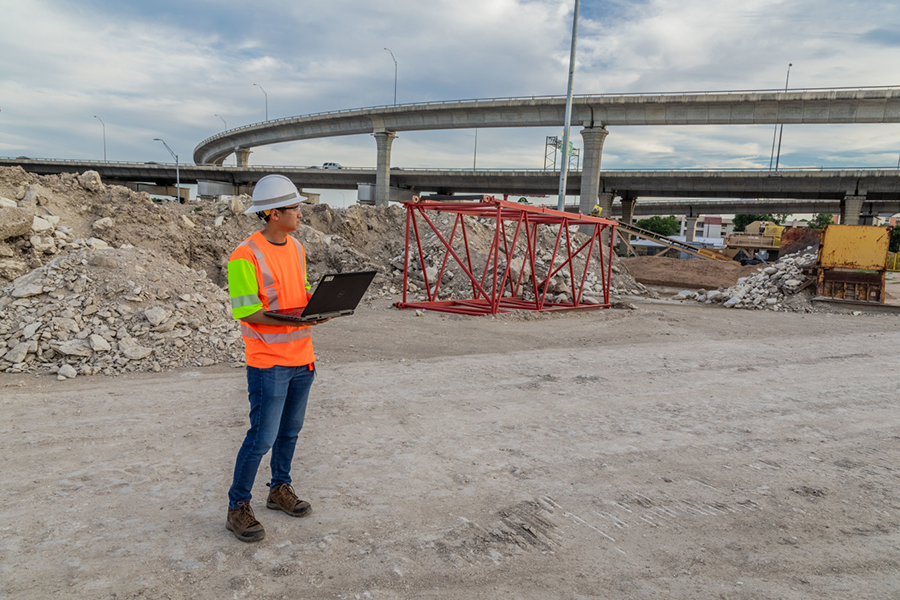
point(282, 497)
point(243, 524)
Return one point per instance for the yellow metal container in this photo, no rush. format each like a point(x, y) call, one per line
point(854, 247)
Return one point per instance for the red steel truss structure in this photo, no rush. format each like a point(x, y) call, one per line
point(523, 220)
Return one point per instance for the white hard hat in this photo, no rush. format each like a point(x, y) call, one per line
point(273, 191)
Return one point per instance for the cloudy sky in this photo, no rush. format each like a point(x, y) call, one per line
point(167, 68)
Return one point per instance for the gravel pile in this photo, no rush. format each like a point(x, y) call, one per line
point(112, 311)
point(773, 287)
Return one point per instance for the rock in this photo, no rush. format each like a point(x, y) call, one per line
point(10, 268)
point(770, 270)
point(90, 180)
point(157, 315)
point(52, 219)
point(132, 350)
point(18, 353)
point(39, 225)
point(31, 329)
point(237, 207)
point(6, 202)
point(791, 283)
point(76, 348)
point(432, 273)
point(97, 244)
point(186, 222)
point(98, 344)
point(29, 285)
point(218, 222)
point(14, 222)
point(67, 372)
point(103, 224)
point(43, 244)
point(731, 302)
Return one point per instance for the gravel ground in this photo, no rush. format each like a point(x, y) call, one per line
point(672, 451)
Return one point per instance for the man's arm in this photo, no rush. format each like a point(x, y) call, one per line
point(261, 318)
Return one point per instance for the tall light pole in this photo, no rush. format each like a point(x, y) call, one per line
point(104, 136)
point(788, 78)
point(177, 175)
point(267, 99)
point(475, 152)
point(395, 75)
point(564, 167)
point(223, 121)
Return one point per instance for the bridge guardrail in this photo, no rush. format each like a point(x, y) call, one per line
point(457, 169)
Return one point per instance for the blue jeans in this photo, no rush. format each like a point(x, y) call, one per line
point(278, 397)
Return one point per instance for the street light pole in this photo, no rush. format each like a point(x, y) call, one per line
point(267, 99)
point(223, 121)
point(395, 75)
point(177, 175)
point(104, 136)
point(564, 167)
point(781, 129)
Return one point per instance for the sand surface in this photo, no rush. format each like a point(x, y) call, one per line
point(671, 451)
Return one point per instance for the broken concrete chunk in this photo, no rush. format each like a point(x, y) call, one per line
point(103, 224)
point(76, 348)
point(14, 222)
point(98, 344)
point(67, 372)
point(132, 350)
point(90, 180)
point(157, 315)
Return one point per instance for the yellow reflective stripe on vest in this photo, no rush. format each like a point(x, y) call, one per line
point(276, 338)
point(267, 278)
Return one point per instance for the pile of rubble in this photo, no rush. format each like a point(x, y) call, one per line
point(774, 287)
point(97, 278)
point(112, 311)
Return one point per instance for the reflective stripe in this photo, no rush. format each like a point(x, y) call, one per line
point(244, 301)
point(276, 338)
point(271, 201)
point(302, 261)
point(267, 278)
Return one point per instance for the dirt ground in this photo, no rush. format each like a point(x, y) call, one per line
point(708, 274)
point(672, 451)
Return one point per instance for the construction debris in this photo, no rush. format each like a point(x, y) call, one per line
point(774, 287)
point(97, 278)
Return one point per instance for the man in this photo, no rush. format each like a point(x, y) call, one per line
point(267, 272)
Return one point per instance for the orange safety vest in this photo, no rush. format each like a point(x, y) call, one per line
point(281, 277)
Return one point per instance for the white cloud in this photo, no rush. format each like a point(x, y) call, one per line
point(153, 74)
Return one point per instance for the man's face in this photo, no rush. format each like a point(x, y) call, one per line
point(289, 217)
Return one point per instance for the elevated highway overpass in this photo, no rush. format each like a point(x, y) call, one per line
point(868, 191)
point(594, 113)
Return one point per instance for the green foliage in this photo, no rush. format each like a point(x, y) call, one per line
point(895, 239)
point(741, 221)
point(820, 220)
point(662, 225)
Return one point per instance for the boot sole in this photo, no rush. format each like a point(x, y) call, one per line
point(275, 506)
point(255, 537)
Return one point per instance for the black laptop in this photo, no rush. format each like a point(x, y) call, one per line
point(337, 295)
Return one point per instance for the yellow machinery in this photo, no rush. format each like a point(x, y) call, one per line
point(851, 263)
point(759, 235)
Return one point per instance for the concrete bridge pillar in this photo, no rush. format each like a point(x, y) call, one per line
point(593, 138)
point(383, 141)
point(242, 156)
point(851, 206)
point(690, 224)
point(628, 210)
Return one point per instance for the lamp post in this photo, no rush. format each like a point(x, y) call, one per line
point(223, 121)
point(781, 129)
point(564, 166)
point(395, 75)
point(104, 136)
point(177, 175)
point(267, 99)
